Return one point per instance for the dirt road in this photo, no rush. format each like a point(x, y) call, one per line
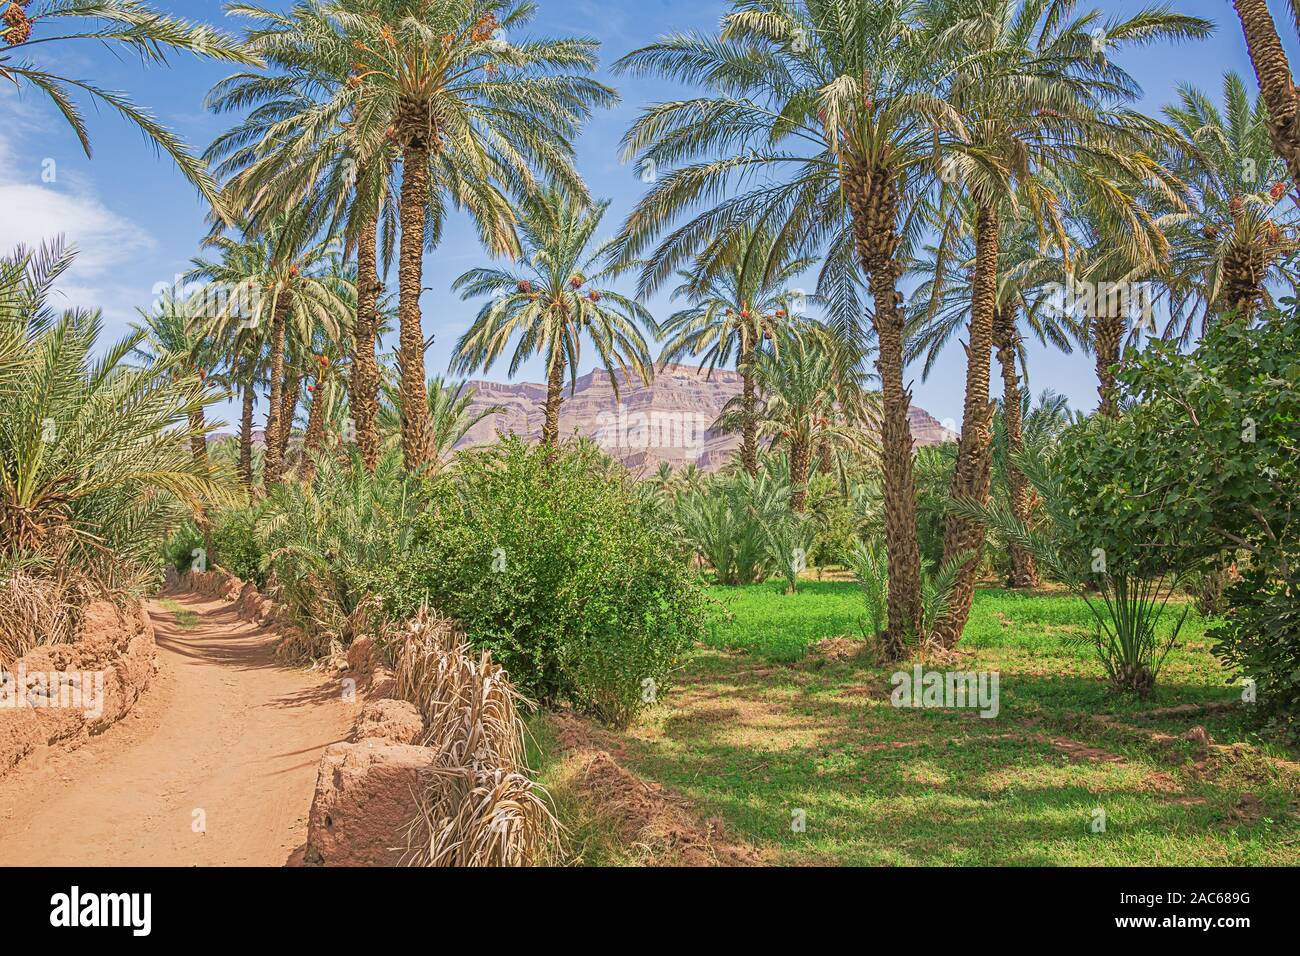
point(215, 765)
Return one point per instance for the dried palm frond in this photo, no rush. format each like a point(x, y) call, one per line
point(481, 807)
point(40, 609)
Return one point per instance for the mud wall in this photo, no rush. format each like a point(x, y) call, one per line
point(71, 692)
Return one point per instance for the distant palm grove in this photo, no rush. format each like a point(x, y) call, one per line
point(968, 175)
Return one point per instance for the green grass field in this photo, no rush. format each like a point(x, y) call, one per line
point(759, 732)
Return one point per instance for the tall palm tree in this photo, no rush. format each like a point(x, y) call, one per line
point(1035, 94)
point(739, 298)
point(1240, 235)
point(941, 305)
point(1273, 73)
point(287, 283)
point(819, 122)
point(1109, 264)
point(304, 145)
point(129, 24)
point(555, 299)
point(471, 114)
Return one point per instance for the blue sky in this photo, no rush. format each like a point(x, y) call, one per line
point(137, 222)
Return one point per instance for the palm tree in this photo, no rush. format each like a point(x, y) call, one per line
point(289, 284)
point(739, 298)
point(1240, 236)
point(942, 304)
point(556, 298)
point(96, 459)
point(130, 24)
point(1273, 73)
point(451, 414)
point(1035, 95)
point(1107, 266)
point(806, 405)
point(820, 123)
point(469, 112)
point(305, 145)
point(171, 333)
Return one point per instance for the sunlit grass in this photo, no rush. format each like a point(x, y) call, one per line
point(759, 728)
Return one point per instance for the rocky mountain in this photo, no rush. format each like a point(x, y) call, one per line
point(666, 421)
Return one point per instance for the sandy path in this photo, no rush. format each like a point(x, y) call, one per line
point(223, 729)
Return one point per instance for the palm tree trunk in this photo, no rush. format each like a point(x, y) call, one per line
point(554, 395)
point(1024, 570)
point(825, 458)
point(962, 538)
point(1108, 334)
point(413, 214)
point(314, 440)
point(749, 421)
point(872, 194)
point(1276, 84)
point(800, 462)
point(246, 432)
point(198, 438)
point(1244, 267)
point(273, 466)
point(288, 407)
point(363, 392)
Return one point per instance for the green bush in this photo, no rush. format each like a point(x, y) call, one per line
point(560, 568)
point(233, 537)
point(330, 544)
point(179, 550)
point(1260, 635)
point(230, 542)
point(725, 519)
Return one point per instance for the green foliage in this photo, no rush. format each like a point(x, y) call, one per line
point(1212, 451)
point(789, 539)
point(183, 547)
point(327, 544)
point(1098, 538)
point(725, 519)
point(96, 466)
point(235, 544)
point(556, 563)
point(932, 473)
point(870, 566)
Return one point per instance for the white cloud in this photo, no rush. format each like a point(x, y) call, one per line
point(37, 211)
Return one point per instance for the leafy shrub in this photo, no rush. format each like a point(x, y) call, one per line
point(233, 538)
point(1260, 635)
point(789, 539)
point(554, 562)
point(183, 547)
point(327, 544)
